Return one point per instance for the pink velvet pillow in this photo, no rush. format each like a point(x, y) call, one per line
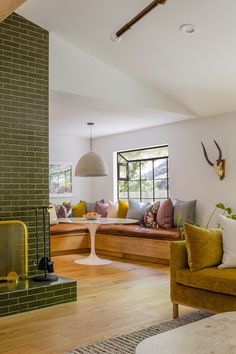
point(150, 215)
point(102, 209)
point(165, 214)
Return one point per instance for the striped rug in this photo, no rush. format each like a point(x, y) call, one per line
point(126, 344)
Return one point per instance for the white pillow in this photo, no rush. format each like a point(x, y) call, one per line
point(53, 215)
point(112, 209)
point(229, 242)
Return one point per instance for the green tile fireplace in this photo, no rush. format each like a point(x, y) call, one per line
point(24, 156)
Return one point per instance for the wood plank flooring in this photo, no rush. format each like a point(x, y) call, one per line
point(112, 300)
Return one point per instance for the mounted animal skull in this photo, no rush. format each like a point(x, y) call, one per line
point(220, 163)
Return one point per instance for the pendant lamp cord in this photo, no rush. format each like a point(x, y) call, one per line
point(91, 139)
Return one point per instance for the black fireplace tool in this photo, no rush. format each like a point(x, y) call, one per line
point(45, 262)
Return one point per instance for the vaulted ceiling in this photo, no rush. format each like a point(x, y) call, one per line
point(197, 70)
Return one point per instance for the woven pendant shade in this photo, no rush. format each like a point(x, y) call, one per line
point(91, 164)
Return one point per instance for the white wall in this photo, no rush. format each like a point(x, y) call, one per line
point(190, 175)
point(65, 148)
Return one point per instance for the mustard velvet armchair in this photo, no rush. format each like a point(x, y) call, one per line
point(211, 289)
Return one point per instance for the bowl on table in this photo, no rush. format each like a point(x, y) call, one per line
point(91, 216)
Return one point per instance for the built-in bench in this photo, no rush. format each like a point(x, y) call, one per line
point(125, 241)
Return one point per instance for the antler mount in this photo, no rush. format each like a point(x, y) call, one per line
point(219, 166)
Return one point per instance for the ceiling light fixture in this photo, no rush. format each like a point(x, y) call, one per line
point(91, 164)
point(187, 28)
point(116, 36)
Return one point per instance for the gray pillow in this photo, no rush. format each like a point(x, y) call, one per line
point(136, 210)
point(91, 207)
point(185, 211)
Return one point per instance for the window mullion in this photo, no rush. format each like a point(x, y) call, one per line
point(140, 182)
point(128, 179)
point(153, 182)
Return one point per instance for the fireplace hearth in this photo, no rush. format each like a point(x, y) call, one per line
point(13, 249)
point(22, 293)
point(27, 295)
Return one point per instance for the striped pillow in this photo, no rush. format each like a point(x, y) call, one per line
point(165, 214)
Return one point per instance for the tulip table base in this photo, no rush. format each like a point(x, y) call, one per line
point(93, 259)
point(92, 226)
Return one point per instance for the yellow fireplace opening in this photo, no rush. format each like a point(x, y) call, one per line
point(13, 248)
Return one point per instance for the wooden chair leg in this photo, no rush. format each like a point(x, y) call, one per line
point(175, 310)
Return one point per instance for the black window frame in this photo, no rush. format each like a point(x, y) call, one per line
point(119, 179)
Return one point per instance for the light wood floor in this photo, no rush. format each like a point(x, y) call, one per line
point(112, 300)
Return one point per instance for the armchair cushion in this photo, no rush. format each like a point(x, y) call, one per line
point(213, 279)
point(204, 247)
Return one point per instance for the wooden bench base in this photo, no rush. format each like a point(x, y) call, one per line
point(67, 244)
point(134, 248)
point(117, 246)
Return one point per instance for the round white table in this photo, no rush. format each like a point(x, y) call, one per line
point(92, 226)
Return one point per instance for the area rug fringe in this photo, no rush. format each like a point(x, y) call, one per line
point(126, 344)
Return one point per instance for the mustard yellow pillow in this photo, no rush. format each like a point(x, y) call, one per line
point(204, 247)
point(123, 207)
point(79, 209)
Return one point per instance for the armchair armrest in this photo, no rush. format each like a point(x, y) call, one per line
point(178, 256)
point(178, 260)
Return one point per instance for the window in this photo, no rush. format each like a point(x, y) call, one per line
point(60, 179)
point(143, 174)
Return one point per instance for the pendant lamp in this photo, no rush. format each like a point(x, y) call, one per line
point(91, 164)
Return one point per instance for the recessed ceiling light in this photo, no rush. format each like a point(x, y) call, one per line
point(187, 28)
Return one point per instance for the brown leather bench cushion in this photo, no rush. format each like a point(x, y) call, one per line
point(140, 231)
point(120, 230)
